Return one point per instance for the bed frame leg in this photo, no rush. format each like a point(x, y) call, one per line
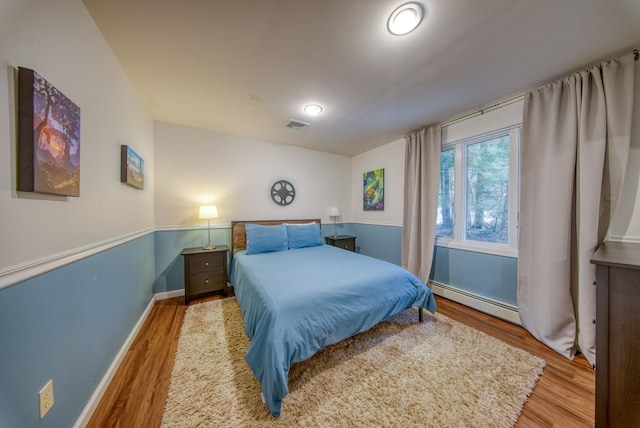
point(420, 315)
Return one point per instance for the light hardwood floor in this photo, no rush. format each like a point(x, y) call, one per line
point(563, 396)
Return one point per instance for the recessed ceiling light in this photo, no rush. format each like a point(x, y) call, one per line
point(405, 18)
point(312, 109)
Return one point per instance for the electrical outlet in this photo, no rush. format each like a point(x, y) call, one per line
point(45, 397)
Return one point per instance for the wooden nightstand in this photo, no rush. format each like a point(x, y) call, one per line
point(345, 242)
point(205, 271)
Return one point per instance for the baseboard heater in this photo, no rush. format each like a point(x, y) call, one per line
point(481, 303)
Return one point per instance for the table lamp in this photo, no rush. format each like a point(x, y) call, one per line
point(208, 212)
point(334, 213)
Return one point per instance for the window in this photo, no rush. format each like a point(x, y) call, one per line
point(478, 199)
point(444, 222)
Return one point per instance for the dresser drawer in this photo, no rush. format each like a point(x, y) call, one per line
point(208, 281)
point(205, 262)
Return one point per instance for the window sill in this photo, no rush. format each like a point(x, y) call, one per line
point(497, 250)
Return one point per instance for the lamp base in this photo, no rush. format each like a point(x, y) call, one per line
point(208, 247)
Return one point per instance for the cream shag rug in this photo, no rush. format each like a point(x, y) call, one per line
point(400, 373)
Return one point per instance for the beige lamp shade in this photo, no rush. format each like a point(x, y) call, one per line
point(208, 211)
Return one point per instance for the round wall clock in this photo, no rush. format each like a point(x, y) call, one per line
point(283, 192)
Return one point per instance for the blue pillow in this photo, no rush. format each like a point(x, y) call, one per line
point(301, 236)
point(266, 239)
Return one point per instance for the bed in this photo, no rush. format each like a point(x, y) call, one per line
point(298, 296)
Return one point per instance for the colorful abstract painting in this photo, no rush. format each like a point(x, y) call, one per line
point(48, 137)
point(373, 190)
point(131, 168)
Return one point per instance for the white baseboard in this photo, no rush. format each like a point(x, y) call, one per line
point(475, 301)
point(169, 294)
point(622, 238)
point(100, 390)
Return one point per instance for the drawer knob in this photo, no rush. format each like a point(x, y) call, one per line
point(206, 281)
point(206, 263)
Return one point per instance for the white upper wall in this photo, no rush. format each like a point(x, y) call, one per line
point(59, 40)
point(624, 226)
point(508, 115)
point(62, 43)
point(391, 158)
point(196, 167)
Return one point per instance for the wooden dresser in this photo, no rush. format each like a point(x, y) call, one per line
point(618, 334)
point(205, 271)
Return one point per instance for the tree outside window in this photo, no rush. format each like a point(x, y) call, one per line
point(446, 197)
point(487, 191)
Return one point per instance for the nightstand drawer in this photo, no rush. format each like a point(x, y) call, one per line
point(206, 262)
point(347, 244)
point(208, 281)
point(205, 271)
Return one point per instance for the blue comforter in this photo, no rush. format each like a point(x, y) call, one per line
point(296, 302)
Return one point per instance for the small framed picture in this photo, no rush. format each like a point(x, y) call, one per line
point(131, 167)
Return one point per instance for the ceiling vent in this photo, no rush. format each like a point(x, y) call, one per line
point(296, 124)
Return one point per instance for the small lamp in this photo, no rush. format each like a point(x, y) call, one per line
point(208, 212)
point(334, 213)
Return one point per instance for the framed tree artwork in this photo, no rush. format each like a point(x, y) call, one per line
point(48, 137)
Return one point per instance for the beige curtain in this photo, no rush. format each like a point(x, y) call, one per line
point(576, 136)
point(421, 184)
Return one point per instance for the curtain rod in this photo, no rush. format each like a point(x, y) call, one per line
point(483, 110)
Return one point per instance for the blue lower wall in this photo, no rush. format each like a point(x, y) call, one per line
point(382, 242)
point(488, 275)
point(169, 263)
point(169, 244)
point(484, 274)
point(68, 325)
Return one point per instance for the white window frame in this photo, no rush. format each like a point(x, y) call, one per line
point(458, 240)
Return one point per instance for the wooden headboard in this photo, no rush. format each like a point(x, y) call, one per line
point(239, 234)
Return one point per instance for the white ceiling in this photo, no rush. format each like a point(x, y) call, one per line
point(245, 67)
